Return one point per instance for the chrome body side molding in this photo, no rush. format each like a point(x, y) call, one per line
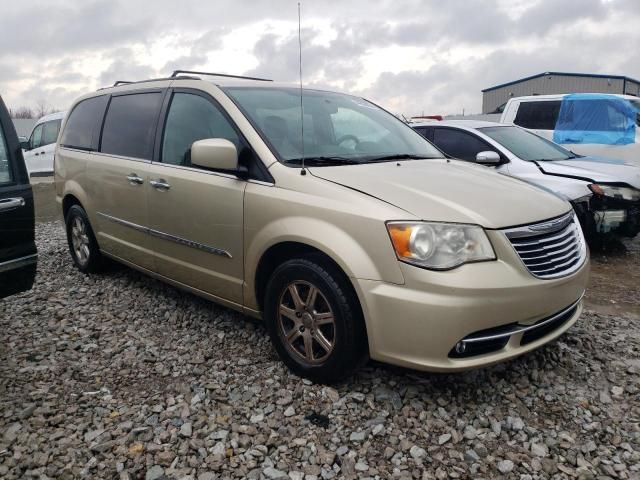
point(168, 236)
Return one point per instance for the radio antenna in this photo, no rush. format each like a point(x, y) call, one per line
point(302, 171)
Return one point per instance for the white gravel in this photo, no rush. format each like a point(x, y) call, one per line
point(120, 376)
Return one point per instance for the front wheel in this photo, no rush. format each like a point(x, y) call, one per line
point(82, 242)
point(314, 320)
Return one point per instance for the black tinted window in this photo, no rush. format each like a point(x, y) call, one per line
point(426, 132)
point(459, 144)
point(191, 118)
point(5, 168)
point(129, 126)
point(421, 130)
point(538, 115)
point(50, 132)
point(83, 122)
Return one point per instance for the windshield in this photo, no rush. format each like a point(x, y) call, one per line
point(338, 128)
point(526, 145)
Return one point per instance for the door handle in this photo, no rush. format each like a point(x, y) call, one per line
point(37, 154)
point(160, 184)
point(7, 204)
point(41, 153)
point(134, 179)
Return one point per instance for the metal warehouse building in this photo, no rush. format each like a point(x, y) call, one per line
point(549, 83)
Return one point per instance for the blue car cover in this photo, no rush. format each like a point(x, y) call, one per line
point(596, 118)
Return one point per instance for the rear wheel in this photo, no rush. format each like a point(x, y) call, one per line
point(314, 320)
point(82, 242)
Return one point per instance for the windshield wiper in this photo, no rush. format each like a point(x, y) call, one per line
point(323, 160)
point(396, 156)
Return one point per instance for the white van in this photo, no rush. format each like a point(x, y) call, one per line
point(593, 124)
point(38, 150)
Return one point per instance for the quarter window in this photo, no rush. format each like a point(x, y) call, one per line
point(83, 123)
point(129, 126)
point(459, 144)
point(50, 132)
point(192, 118)
point(36, 137)
point(5, 168)
point(538, 115)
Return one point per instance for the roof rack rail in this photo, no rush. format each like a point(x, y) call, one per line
point(126, 82)
point(179, 72)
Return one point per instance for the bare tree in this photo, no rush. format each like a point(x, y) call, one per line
point(22, 112)
point(42, 108)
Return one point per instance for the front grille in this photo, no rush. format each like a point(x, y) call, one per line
point(550, 249)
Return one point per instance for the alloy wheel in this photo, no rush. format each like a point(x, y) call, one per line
point(306, 322)
point(80, 240)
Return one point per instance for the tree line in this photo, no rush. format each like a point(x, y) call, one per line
point(41, 109)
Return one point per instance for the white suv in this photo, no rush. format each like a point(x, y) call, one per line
point(590, 124)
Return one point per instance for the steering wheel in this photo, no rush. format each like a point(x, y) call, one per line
point(344, 138)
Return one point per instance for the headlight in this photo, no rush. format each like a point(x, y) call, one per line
point(623, 193)
point(439, 246)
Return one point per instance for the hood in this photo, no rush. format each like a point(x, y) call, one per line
point(595, 169)
point(453, 191)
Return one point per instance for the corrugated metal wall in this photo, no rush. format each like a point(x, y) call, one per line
point(632, 88)
point(549, 85)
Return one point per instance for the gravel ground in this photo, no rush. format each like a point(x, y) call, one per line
point(120, 376)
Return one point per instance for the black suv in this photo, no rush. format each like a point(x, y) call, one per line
point(18, 254)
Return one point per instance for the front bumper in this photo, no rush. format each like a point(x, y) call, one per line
point(610, 215)
point(418, 324)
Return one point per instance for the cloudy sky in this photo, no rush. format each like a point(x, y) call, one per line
point(411, 56)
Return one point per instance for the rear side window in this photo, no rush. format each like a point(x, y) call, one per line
point(83, 123)
point(50, 132)
point(130, 124)
point(459, 144)
point(538, 115)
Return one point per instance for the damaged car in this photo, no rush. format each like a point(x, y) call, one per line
point(605, 193)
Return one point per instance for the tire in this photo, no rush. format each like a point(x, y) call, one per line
point(83, 246)
point(327, 340)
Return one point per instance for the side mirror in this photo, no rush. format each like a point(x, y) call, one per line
point(215, 153)
point(489, 158)
point(24, 144)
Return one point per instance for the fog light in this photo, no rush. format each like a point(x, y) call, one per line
point(460, 347)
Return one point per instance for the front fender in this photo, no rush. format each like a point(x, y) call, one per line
point(344, 249)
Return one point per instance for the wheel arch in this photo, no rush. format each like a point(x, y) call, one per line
point(283, 251)
point(279, 253)
point(68, 201)
point(73, 194)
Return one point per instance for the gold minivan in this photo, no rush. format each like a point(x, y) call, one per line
point(347, 232)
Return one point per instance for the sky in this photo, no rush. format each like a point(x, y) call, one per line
point(410, 56)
